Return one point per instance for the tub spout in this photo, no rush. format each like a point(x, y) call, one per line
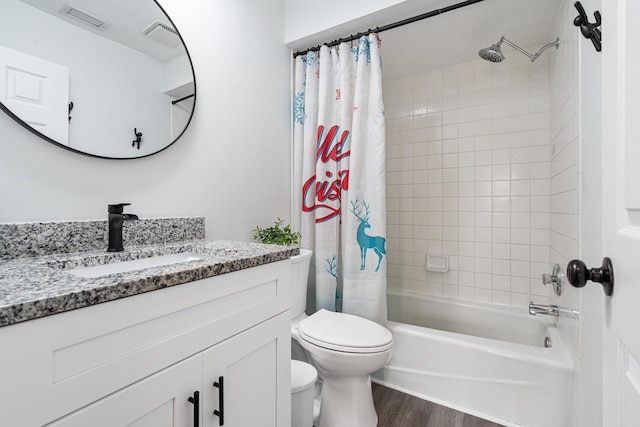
point(550, 310)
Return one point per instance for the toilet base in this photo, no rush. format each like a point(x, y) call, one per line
point(347, 401)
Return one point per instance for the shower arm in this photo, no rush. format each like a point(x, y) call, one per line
point(534, 56)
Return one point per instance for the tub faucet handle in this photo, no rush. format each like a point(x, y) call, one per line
point(555, 279)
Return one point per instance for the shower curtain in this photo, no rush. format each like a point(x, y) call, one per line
point(339, 175)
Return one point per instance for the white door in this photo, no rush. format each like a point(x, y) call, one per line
point(252, 376)
point(161, 400)
point(621, 212)
point(37, 91)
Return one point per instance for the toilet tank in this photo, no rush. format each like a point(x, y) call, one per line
point(300, 273)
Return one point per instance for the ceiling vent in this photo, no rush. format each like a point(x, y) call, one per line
point(162, 33)
point(77, 15)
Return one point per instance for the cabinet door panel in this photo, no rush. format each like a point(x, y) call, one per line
point(256, 385)
point(160, 400)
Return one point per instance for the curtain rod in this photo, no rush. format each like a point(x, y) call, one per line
point(391, 26)
point(183, 98)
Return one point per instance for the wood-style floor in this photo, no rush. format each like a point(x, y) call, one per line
point(396, 409)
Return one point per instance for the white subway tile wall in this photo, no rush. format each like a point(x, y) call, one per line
point(565, 158)
point(469, 175)
point(565, 179)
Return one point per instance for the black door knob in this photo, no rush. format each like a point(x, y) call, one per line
point(578, 274)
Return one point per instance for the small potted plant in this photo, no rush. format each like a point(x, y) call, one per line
point(278, 234)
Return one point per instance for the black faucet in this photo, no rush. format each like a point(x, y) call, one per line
point(116, 219)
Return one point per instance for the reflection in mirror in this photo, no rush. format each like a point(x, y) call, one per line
point(105, 78)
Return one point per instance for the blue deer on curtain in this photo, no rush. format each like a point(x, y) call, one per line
point(365, 241)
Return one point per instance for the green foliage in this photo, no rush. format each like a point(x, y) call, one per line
point(277, 234)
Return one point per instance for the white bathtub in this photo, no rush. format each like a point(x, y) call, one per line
point(484, 360)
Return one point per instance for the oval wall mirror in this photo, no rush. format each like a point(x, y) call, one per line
point(110, 79)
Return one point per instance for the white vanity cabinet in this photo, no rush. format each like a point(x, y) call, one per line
point(160, 400)
point(245, 371)
point(136, 361)
point(245, 367)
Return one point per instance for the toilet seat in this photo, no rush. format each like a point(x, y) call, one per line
point(345, 333)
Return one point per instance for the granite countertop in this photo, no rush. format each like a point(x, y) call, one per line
point(34, 287)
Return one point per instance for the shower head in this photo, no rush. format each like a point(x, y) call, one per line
point(494, 54)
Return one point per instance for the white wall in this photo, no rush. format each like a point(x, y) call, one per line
point(590, 385)
point(310, 22)
point(231, 166)
point(468, 177)
point(176, 73)
point(304, 18)
point(576, 203)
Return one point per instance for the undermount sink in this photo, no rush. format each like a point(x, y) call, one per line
point(132, 265)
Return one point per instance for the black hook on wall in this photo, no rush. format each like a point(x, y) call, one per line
point(589, 30)
point(70, 108)
point(138, 138)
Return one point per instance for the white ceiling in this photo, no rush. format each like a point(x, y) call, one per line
point(456, 36)
point(442, 40)
point(128, 19)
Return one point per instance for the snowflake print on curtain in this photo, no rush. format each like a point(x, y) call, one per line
point(339, 176)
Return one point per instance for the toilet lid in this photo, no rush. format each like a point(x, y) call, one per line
point(345, 332)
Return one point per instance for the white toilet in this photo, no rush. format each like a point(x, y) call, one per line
point(345, 349)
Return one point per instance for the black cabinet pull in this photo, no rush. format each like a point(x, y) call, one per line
point(220, 413)
point(196, 408)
